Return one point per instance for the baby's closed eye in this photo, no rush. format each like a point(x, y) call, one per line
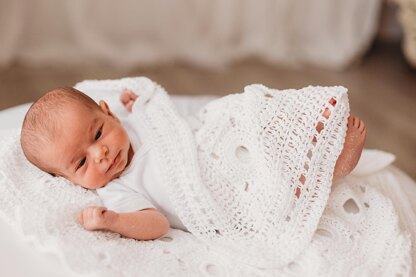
point(99, 133)
point(82, 162)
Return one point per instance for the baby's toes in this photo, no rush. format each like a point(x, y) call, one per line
point(364, 130)
point(357, 122)
point(361, 126)
point(364, 133)
point(351, 121)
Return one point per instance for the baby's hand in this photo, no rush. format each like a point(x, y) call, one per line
point(128, 97)
point(96, 218)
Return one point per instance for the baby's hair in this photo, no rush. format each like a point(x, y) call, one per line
point(41, 123)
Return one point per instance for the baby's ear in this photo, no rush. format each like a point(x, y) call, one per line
point(106, 109)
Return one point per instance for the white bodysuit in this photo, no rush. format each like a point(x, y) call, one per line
point(139, 186)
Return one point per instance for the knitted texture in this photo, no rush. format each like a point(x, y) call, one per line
point(232, 178)
point(236, 185)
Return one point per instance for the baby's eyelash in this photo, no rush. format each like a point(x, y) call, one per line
point(97, 136)
point(82, 162)
point(99, 133)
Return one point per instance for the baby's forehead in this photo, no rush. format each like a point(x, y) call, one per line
point(72, 131)
point(50, 117)
point(60, 128)
point(83, 111)
point(79, 116)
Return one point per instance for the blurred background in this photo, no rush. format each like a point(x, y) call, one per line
point(217, 47)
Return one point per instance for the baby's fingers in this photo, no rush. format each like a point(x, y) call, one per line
point(88, 215)
point(80, 218)
point(129, 105)
point(124, 97)
point(128, 98)
point(132, 95)
point(98, 212)
point(127, 95)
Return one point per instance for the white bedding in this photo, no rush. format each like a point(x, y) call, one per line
point(18, 255)
point(392, 182)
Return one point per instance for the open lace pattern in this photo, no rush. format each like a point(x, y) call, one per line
point(233, 178)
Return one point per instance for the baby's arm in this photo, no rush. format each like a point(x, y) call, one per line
point(145, 224)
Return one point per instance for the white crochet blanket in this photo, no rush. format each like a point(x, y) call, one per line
point(232, 179)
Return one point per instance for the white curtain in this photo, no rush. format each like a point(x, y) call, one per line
point(327, 33)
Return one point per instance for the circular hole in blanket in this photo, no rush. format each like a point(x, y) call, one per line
point(242, 153)
point(295, 267)
point(102, 256)
point(166, 239)
point(351, 207)
point(323, 232)
point(246, 186)
point(212, 270)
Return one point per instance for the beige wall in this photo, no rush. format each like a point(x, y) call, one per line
point(127, 33)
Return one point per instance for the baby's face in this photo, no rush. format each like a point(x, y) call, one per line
point(92, 147)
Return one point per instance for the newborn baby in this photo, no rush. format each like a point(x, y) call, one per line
point(67, 134)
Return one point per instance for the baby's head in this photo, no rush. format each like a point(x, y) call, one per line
point(66, 133)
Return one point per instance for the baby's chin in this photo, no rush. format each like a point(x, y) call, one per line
point(96, 185)
point(125, 162)
point(115, 176)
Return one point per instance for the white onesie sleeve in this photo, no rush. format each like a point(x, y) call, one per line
point(122, 199)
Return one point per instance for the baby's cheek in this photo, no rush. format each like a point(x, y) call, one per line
point(97, 180)
point(121, 133)
point(89, 180)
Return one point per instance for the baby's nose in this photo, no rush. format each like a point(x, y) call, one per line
point(100, 153)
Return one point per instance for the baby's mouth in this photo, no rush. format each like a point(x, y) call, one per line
point(115, 162)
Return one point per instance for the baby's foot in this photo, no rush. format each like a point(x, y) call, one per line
point(353, 147)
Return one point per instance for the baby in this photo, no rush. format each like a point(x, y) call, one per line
point(67, 134)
